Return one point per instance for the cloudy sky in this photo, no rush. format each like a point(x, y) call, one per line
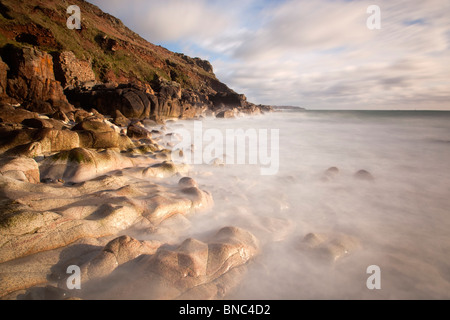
point(318, 54)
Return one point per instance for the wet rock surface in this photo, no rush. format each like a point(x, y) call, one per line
point(39, 220)
point(86, 175)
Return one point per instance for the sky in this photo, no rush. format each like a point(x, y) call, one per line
point(318, 54)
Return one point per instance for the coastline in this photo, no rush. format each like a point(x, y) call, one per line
point(129, 171)
point(91, 208)
point(159, 230)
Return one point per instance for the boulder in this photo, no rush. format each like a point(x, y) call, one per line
point(135, 104)
point(164, 170)
point(79, 165)
point(98, 139)
point(132, 102)
point(14, 136)
point(364, 175)
point(192, 270)
point(42, 107)
point(187, 182)
point(227, 114)
point(329, 247)
point(21, 168)
point(53, 140)
point(11, 114)
point(30, 150)
point(80, 115)
point(330, 174)
point(100, 135)
point(137, 132)
point(43, 123)
point(61, 116)
point(61, 105)
point(120, 120)
point(92, 125)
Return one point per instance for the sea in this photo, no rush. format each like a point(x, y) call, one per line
point(396, 221)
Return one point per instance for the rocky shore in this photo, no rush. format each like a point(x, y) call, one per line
point(81, 188)
point(86, 176)
point(86, 193)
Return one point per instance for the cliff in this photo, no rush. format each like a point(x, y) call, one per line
point(104, 66)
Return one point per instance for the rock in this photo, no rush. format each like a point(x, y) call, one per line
point(120, 120)
point(78, 165)
point(98, 139)
point(164, 170)
point(170, 101)
point(330, 174)
point(41, 107)
point(43, 123)
point(149, 123)
point(124, 143)
point(116, 253)
point(93, 209)
point(250, 109)
point(205, 65)
point(193, 269)
point(187, 182)
point(26, 232)
point(228, 100)
point(26, 273)
point(132, 102)
point(15, 115)
point(31, 76)
point(137, 132)
point(71, 71)
point(30, 150)
point(227, 114)
point(22, 168)
point(94, 126)
point(61, 105)
point(151, 148)
point(96, 115)
point(100, 135)
point(80, 115)
point(313, 240)
point(330, 247)
point(217, 162)
point(136, 104)
point(53, 140)
point(333, 171)
point(3, 78)
point(107, 44)
point(364, 175)
point(13, 136)
point(45, 293)
point(61, 116)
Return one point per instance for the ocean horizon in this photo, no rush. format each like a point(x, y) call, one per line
point(396, 219)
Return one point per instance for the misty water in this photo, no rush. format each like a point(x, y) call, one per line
point(400, 220)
